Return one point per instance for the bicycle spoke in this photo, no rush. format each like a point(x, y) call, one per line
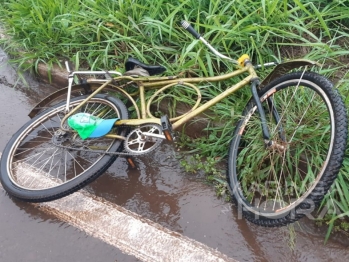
point(275, 179)
point(63, 162)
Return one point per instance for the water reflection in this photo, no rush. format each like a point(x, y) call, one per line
point(161, 192)
point(150, 190)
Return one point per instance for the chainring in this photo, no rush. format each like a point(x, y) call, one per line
point(144, 139)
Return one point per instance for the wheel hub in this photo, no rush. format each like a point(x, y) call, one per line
point(66, 139)
point(280, 147)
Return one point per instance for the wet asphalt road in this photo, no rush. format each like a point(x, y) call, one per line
point(26, 233)
point(158, 191)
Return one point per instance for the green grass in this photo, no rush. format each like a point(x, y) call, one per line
point(101, 34)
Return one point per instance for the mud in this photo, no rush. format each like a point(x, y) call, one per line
point(158, 190)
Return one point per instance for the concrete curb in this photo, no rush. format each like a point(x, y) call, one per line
point(57, 76)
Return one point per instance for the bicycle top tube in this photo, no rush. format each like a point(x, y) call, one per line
point(154, 81)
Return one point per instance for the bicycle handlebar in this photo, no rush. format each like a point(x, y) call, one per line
point(186, 25)
point(190, 29)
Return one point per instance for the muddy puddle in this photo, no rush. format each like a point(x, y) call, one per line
point(158, 190)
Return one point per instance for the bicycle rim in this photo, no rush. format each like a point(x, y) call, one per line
point(272, 182)
point(35, 163)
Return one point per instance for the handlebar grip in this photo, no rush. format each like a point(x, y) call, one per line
point(190, 29)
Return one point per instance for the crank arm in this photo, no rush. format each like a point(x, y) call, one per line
point(147, 134)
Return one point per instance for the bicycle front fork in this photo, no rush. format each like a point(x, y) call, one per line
point(265, 130)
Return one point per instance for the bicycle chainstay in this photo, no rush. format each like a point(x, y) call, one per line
point(102, 151)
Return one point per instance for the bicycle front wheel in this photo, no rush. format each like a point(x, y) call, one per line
point(35, 168)
point(277, 184)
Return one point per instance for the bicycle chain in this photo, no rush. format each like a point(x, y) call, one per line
point(101, 151)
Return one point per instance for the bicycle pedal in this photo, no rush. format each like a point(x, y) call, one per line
point(131, 162)
point(166, 128)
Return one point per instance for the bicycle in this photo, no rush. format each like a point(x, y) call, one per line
point(276, 173)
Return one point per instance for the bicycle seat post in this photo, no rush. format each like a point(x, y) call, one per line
point(70, 83)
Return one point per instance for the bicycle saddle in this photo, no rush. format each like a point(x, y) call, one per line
point(131, 63)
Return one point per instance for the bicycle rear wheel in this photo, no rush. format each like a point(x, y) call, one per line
point(35, 168)
point(278, 184)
